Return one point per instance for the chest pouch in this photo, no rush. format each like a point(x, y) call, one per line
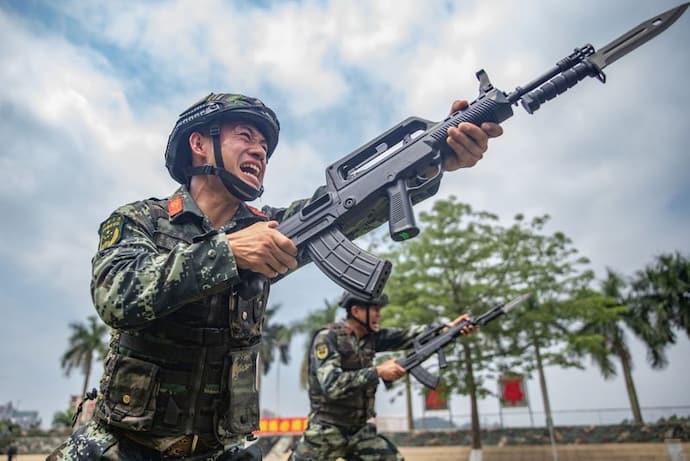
point(246, 318)
point(242, 404)
point(129, 393)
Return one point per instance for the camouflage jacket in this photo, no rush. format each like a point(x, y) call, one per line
point(342, 377)
point(182, 360)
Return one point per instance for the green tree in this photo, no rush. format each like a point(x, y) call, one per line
point(614, 339)
point(465, 259)
point(653, 306)
point(275, 338)
point(450, 267)
point(63, 419)
point(275, 344)
point(85, 341)
point(545, 333)
point(661, 297)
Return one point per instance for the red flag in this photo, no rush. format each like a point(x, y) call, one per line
point(513, 391)
point(435, 399)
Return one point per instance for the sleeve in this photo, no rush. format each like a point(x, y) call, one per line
point(134, 283)
point(335, 382)
point(395, 339)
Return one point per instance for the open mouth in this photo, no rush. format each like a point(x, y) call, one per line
point(250, 169)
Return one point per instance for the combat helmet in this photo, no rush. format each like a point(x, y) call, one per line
point(348, 299)
point(211, 112)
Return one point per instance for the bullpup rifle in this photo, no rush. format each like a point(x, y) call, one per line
point(403, 166)
point(435, 339)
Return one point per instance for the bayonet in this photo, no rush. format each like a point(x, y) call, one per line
point(635, 37)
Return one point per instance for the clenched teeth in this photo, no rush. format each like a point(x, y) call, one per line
point(250, 168)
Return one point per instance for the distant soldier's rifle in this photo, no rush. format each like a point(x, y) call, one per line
point(435, 339)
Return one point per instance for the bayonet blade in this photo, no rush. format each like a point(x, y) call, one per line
point(515, 302)
point(636, 36)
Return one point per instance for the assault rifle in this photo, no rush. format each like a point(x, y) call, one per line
point(435, 339)
point(403, 166)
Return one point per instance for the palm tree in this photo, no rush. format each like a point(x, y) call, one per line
point(63, 419)
point(83, 343)
point(661, 296)
point(614, 338)
point(657, 303)
point(312, 323)
point(275, 337)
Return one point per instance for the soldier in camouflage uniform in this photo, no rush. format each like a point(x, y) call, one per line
point(343, 380)
point(180, 374)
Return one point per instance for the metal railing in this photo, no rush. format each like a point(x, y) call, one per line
point(513, 418)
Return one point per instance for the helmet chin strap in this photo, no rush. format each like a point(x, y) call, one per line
point(232, 183)
point(365, 325)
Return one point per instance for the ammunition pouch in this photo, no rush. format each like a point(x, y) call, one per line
point(242, 409)
point(128, 397)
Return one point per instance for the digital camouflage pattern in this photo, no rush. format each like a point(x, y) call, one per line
point(182, 359)
point(326, 442)
point(149, 282)
point(94, 441)
point(342, 365)
point(342, 386)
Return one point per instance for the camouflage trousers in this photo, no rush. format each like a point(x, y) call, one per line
point(325, 442)
point(94, 441)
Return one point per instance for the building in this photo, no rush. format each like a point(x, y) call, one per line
point(23, 419)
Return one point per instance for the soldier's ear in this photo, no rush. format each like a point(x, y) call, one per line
point(198, 145)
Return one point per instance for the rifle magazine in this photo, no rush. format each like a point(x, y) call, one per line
point(354, 269)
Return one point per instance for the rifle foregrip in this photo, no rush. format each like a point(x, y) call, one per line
point(354, 269)
point(493, 107)
point(558, 85)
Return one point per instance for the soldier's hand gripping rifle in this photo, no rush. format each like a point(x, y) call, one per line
point(435, 339)
point(377, 172)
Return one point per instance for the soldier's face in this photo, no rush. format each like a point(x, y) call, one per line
point(244, 151)
point(374, 316)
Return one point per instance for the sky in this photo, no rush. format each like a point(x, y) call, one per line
point(89, 92)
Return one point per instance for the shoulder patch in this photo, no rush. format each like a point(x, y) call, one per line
point(110, 231)
point(321, 351)
point(174, 206)
point(256, 212)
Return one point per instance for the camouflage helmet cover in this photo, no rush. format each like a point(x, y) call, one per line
point(348, 299)
point(219, 107)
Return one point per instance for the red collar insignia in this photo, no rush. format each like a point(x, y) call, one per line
point(256, 212)
point(174, 207)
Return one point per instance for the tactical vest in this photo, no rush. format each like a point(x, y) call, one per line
point(190, 372)
point(355, 408)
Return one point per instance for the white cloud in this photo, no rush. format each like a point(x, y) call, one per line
point(293, 173)
point(604, 161)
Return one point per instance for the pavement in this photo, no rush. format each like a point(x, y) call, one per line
point(585, 452)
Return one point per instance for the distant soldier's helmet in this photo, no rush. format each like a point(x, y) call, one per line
point(211, 112)
point(348, 299)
